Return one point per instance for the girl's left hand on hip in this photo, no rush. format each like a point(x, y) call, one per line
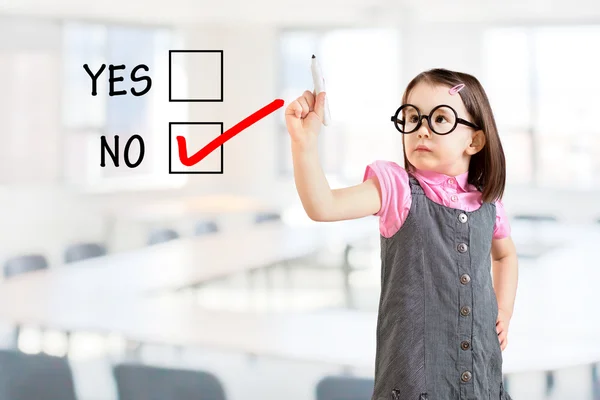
point(502, 323)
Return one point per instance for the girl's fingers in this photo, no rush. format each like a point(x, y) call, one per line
point(310, 99)
point(305, 107)
point(502, 339)
point(294, 109)
point(503, 343)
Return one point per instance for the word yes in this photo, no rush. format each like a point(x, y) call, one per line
point(112, 79)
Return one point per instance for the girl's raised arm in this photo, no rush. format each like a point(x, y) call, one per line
point(304, 117)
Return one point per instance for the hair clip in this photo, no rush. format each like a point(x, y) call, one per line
point(456, 89)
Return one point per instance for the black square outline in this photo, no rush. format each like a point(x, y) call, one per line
point(219, 100)
point(195, 172)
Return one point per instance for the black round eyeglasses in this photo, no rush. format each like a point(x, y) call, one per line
point(442, 120)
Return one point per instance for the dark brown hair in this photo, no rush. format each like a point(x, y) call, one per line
point(487, 168)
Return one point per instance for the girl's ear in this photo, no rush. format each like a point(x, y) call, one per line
point(477, 142)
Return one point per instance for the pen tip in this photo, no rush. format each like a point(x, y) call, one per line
point(313, 56)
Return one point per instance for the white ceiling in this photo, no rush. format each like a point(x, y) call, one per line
point(310, 12)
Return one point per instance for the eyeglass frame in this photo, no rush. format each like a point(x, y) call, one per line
point(458, 120)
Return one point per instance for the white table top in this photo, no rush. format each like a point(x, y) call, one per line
point(555, 325)
point(342, 337)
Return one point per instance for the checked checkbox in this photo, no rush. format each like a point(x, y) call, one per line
point(197, 136)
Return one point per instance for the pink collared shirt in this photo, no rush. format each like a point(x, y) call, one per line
point(449, 191)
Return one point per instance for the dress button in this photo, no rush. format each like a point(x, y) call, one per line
point(462, 248)
point(465, 376)
point(465, 278)
point(454, 197)
point(451, 181)
point(465, 345)
point(465, 311)
point(463, 218)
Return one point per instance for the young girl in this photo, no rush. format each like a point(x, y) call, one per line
point(442, 325)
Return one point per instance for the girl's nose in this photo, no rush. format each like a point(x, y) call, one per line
point(423, 130)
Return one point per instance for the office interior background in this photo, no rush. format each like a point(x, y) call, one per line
point(223, 276)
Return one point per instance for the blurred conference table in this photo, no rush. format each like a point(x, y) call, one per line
point(555, 325)
point(187, 262)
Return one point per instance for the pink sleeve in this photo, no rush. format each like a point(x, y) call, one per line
point(502, 227)
point(395, 195)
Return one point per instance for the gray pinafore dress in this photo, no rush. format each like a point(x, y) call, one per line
point(436, 329)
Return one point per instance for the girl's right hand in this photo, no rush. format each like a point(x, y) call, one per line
point(303, 118)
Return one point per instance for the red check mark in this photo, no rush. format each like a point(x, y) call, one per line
point(228, 134)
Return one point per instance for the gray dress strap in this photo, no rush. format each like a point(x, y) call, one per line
point(415, 186)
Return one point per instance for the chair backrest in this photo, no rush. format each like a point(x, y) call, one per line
point(536, 217)
point(35, 377)
point(205, 227)
point(26, 263)
point(161, 236)
point(266, 217)
point(82, 251)
point(344, 388)
point(141, 382)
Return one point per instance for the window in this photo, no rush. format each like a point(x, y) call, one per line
point(86, 118)
point(535, 78)
point(567, 95)
point(362, 70)
point(29, 110)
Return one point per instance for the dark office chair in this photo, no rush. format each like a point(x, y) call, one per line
point(595, 371)
point(140, 382)
point(267, 217)
point(550, 382)
point(205, 227)
point(162, 235)
point(535, 217)
point(22, 264)
point(35, 377)
point(535, 228)
point(83, 251)
point(344, 388)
